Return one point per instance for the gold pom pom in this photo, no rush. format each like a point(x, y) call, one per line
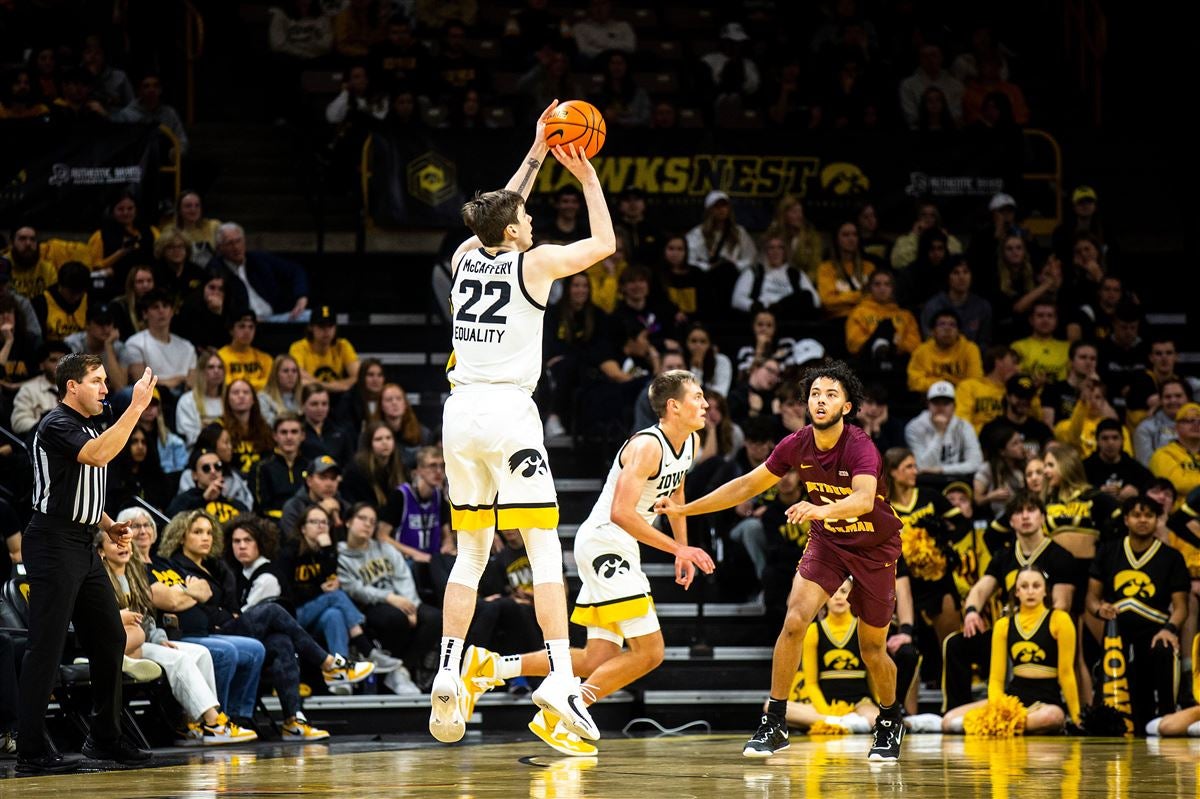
point(840, 707)
point(999, 718)
point(822, 727)
point(925, 559)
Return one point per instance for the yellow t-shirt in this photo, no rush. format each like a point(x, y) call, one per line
point(59, 251)
point(328, 367)
point(929, 364)
point(1044, 360)
point(1181, 467)
point(979, 401)
point(253, 366)
point(32, 282)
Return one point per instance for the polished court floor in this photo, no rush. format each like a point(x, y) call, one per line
point(649, 768)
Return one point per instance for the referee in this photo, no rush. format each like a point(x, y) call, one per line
point(66, 579)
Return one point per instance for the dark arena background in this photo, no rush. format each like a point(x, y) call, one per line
point(986, 210)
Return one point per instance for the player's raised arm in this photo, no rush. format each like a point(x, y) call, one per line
point(553, 262)
point(748, 485)
point(522, 180)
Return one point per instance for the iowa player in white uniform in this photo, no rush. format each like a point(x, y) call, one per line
point(615, 603)
point(496, 468)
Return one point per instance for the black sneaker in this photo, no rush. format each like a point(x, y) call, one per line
point(49, 763)
point(888, 735)
point(771, 737)
point(118, 751)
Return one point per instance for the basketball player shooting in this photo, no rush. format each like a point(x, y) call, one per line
point(615, 603)
point(853, 533)
point(496, 466)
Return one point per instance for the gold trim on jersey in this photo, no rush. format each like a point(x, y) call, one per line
point(524, 518)
point(1145, 611)
point(609, 615)
point(1136, 561)
point(850, 631)
point(1022, 559)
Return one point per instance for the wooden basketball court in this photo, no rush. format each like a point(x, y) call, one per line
point(668, 767)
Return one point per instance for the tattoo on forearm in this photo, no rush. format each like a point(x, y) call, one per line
point(534, 166)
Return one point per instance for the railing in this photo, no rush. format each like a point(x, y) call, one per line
point(174, 166)
point(1085, 38)
point(1045, 225)
point(193, 44)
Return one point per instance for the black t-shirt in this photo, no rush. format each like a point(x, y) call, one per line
point(62, 486)
point(1060, 397)
point(785, 541)
point(1034, 431)
point(1125, 471)
point(1055, 561)
point(192, 621)
point(1140, 586)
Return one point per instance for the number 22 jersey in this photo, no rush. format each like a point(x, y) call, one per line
point(497, 336)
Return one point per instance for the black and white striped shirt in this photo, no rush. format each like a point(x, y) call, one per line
point(62, 486)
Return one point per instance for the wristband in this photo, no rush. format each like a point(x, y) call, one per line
point(1171, 628)
point(906, 629)
point(970, 609)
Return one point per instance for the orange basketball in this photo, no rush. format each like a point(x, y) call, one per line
point(579, 123)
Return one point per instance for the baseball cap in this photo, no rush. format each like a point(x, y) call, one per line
point(1001, 200)
point(734, 32)
point(805, 350)
point(1021, 386)
point(323, 315)
point(1188, 409)
point(1083, 193)
point(323, 464)
point(101, 313)
point(942, 389)
point(959, 485)
point(713, 197)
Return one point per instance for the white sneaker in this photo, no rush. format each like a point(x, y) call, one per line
point(553, 428)
point(384, 662)
point(400, 683)
point(141, 670)
point(924, 722)
point(560, 696)
point(446, 722)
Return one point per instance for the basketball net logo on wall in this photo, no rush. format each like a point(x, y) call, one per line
point(432, 179)
point(529, 461)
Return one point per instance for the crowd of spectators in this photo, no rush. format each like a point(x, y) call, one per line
point(1012, 382)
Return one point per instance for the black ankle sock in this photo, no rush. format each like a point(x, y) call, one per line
point(891, 712)
point(777, 707)
point(363, 644)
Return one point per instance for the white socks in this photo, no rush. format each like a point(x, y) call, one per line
point(1194, 729)
point(559, 651)
point(452, 650)
point(508, 667)
point(1152, 727)
point(955, 725)
point(851, 721)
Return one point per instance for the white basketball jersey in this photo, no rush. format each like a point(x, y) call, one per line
point(497, 334)
point(671, 469)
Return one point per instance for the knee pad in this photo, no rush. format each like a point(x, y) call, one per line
point(545, 554)
point(474, 548)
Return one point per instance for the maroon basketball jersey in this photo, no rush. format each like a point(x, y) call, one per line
point(826, 476)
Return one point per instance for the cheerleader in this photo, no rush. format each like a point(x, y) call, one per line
point(1038, 644)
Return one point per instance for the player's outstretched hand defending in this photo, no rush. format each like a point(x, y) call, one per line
point(687, 560)
point(668, 507)
point(805, 511)
point(575, 162)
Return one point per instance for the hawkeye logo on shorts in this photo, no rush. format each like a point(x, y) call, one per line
point(529, 461)
point(609, 566)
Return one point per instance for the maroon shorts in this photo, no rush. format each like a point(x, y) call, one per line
point(873, 597)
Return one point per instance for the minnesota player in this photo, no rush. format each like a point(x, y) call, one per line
point(853, 533)
point(615, 603)
point(496, 467)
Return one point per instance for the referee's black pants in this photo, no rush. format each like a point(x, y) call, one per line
point(68, 583)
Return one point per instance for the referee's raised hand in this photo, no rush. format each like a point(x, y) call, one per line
point(143, 391)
